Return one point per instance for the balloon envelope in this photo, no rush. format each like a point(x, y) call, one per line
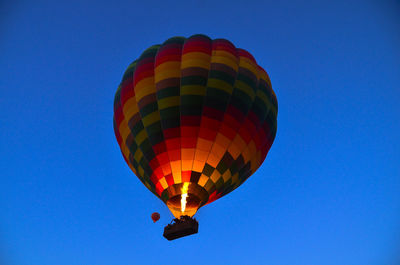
point(194, 118)
point(155, 217)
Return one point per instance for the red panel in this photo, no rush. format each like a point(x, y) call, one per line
point(166, 168)
point(154, 163)
point(119, 116)
point(172, 133)
point(187, 131)
point(188, 142)
point(210, 123)
point(266, 129)
point(158, 174)
point(186, 176)
point(207, 133)
point(160, 148)
point(237, 114)
point(254, 119)
point(244, 53)
point(213, 113)
point(246, 131)
point(174, 143)
point(222, 44)
point(265, 151)
point(257, 141)
point(154, 178)
point(230, 121)
point(227, 131)
point(190, 120)
point(159, 188)
point(213, 196)
point(167, 58)
point(168, 52)
point(163, 158)
point(197, 44)
point(144, 68)
point(127, 90)
point(169, 179)
point(174, 154)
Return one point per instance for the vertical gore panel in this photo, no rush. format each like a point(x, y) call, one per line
point(195, 67)
point(167, 75)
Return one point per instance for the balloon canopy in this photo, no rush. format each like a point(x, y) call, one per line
point(155, 217)
point(194, 118)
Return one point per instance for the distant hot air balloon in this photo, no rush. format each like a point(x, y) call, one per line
point(155, 217)
point(194, 118)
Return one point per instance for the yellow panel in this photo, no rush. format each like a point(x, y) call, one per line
point(166, 74)
point(187, 165)
point(218, 151)
point(252, 147)
point(213, 160)
point(187, 153)
point(176, 167)
point(198, 165)
point(246, 155)
point(124, 131)
point(141, 137)
point(201, 155)
point(167, 66)
point(203, 144)
point(163, 183)
point(151, 118)
point(216, 54)
point(195, 56)
point(141, 171)
point(196, 63)
point(202, 180)
point(222, 140)
point(253, 156)
point(248, 90)
point(240, 142)
point(234, 150)
point(260, 93)
point(195, 59)
point(264, 76)
point(144, 87)
point(226, 61)
point(130, 108)
point(226, 176)
point(220, 84)
point(138, 155)
point(215, 176)
point(193, 90)
point(235, 179)
point(249, 64)
point(168, 102)
point(125, 152)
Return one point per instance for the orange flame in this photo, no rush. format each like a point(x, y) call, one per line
point(184, 195)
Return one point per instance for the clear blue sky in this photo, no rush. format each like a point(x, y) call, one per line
point(327, 194)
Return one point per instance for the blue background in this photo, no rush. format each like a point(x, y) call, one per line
point(328, 192)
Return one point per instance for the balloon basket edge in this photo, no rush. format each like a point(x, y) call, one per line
point(184, 226)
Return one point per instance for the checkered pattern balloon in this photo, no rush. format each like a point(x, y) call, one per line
point(194, 116)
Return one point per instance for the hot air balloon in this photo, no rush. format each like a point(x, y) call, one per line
point(155, 217)
point(194, 118)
